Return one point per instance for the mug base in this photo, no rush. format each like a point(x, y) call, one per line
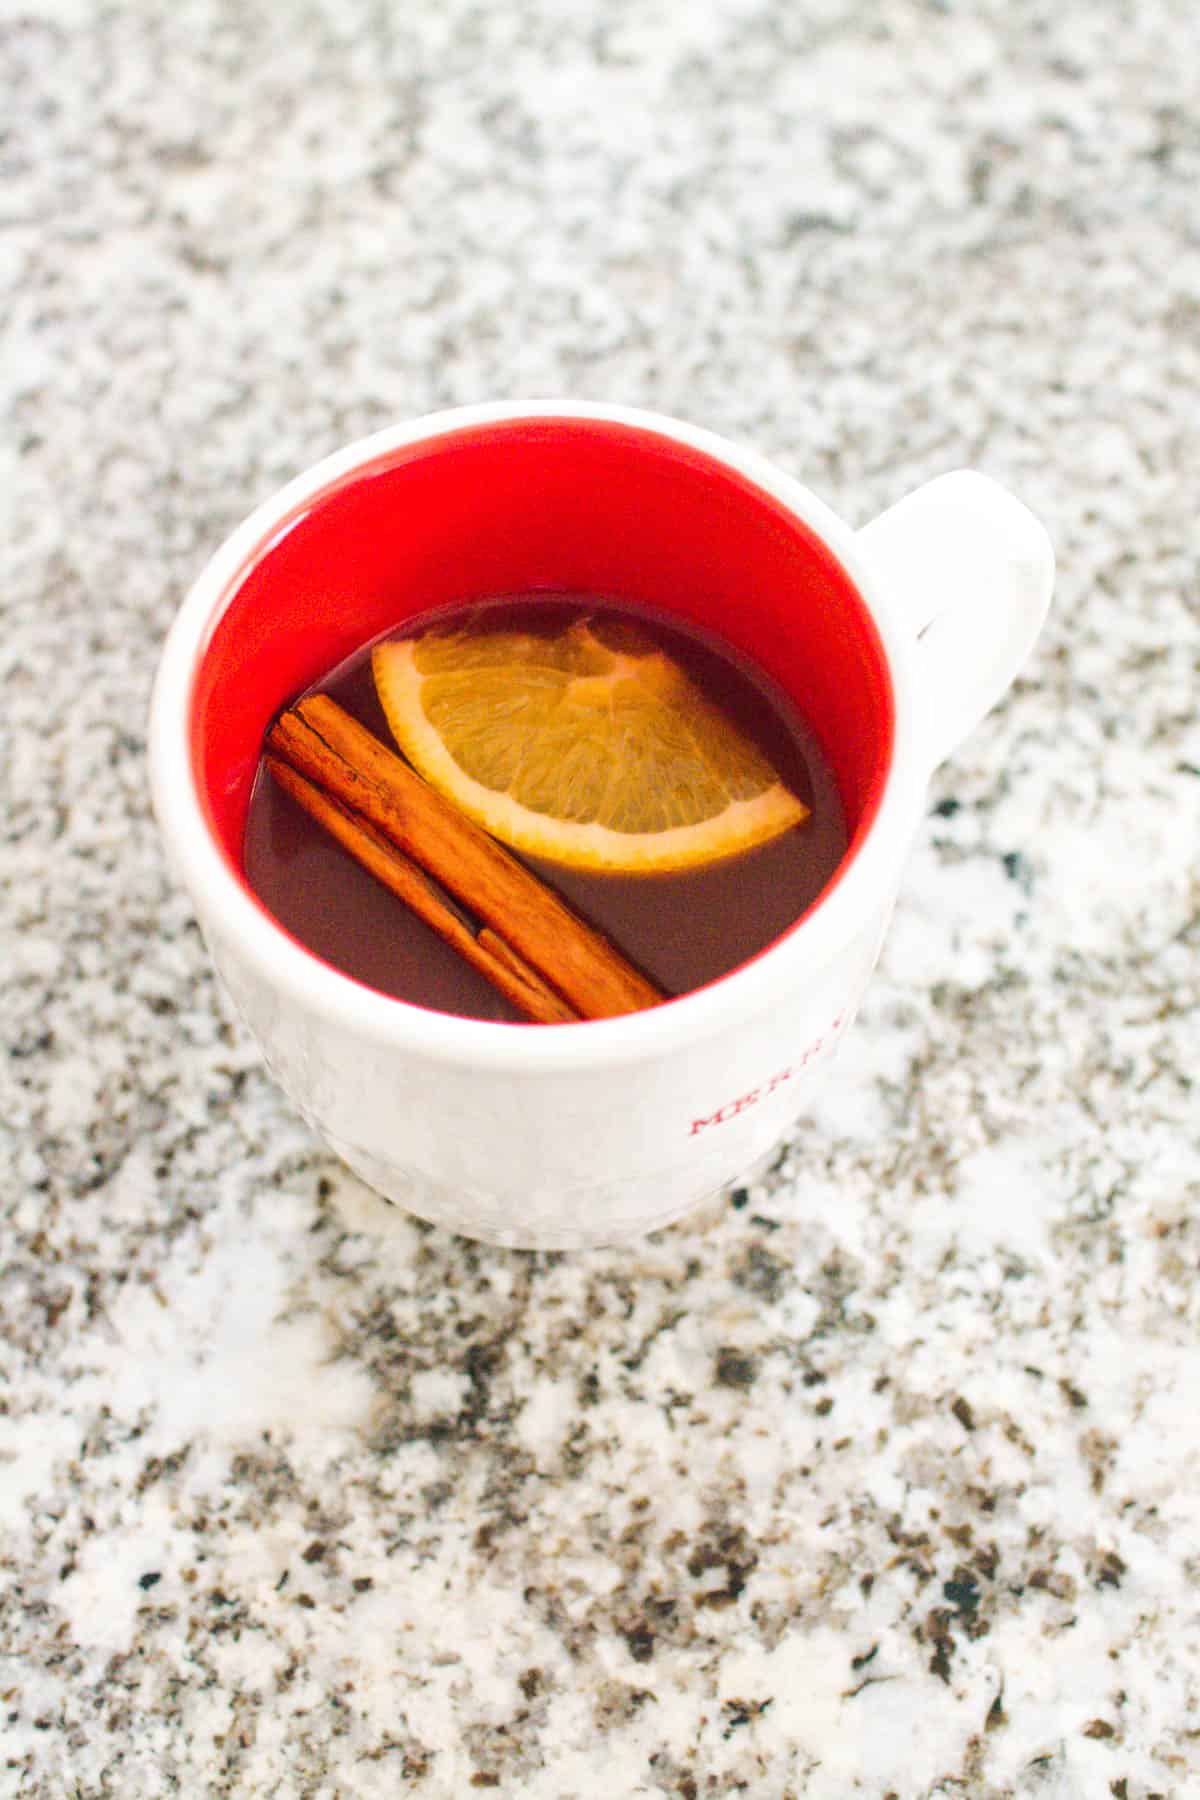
point(388, 1189)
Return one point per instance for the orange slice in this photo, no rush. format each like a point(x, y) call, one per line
point(586, 744)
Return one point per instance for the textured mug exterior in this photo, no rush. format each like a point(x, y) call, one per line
point(554, 1159)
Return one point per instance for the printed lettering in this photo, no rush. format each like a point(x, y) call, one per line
point(733, 1107)
point(752, 1096)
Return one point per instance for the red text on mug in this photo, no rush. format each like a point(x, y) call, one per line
point(743, 1102)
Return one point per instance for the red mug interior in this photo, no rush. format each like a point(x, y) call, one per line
point(526, 504)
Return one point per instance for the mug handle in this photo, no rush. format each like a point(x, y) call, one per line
point(971, 571)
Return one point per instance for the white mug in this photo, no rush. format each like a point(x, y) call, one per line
point(894, 640)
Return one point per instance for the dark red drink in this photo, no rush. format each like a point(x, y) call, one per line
point(682, 929)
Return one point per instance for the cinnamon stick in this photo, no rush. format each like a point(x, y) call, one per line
point(483, 950)
point(325, 744)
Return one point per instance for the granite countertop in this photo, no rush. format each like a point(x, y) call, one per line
point(881, 1477)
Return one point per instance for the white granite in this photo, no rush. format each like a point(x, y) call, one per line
point(882, 1477)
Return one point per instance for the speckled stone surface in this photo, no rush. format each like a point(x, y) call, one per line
point(880, 1477)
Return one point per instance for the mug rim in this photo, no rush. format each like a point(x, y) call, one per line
point(859, 891)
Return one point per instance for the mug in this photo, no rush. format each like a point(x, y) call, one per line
point(893, 641)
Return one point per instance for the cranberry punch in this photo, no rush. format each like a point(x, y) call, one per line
point(887, 645)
